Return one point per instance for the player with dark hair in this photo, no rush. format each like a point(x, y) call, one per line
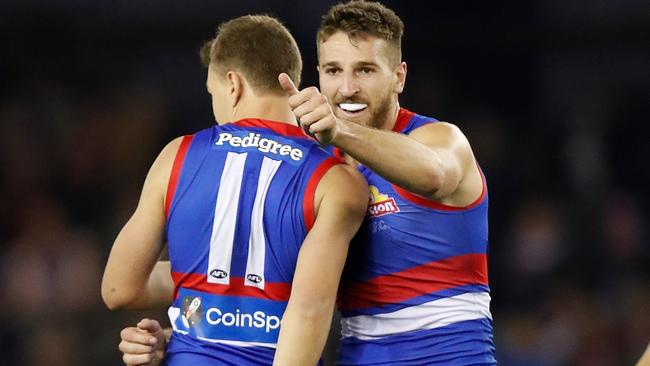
point(415, 289)
point(257, 216)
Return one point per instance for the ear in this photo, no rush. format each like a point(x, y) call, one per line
point(235, 87)
point(400, 72)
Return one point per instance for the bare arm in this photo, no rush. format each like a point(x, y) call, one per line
point(128, 281)
point(431, 161)
point(434, 161)
point(307, 319)
point(645, 358)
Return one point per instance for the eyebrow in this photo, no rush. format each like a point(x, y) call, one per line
point(358, 64)
point(365, 63)
point(332, 64)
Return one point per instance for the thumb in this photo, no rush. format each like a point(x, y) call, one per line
point(149, 325)
point(287, 84)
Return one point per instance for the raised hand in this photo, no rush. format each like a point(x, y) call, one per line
point(312, 110)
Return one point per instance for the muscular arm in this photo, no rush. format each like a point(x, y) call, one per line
point(128, 282)
point(307, 319)
point(432, 161)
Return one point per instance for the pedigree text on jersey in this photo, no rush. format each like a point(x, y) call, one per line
point(276, 147)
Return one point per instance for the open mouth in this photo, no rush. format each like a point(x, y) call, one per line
point(352, 109)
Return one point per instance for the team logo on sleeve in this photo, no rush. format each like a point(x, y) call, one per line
point(380, 204)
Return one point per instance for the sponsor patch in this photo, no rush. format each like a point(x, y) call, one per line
point(380, 204)
point(277, 148)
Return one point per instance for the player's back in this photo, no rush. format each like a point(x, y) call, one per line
point(239, 205)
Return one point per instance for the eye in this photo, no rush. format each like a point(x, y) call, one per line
point(366, 70)
point(332, 70)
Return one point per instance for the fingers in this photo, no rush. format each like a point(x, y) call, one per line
point(139, 360)
point(136, 335)
point(303, 97)
point(287, 84)
point(316, 102)
point(317, 114)
point(149, 325)
point(134, 348)
point(320, 126)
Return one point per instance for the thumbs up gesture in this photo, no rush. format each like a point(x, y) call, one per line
point(312, 110)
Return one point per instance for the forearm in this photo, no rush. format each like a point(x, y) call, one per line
point(159, 289)
point(303, 334)
point(399, 159)
point(129, 284)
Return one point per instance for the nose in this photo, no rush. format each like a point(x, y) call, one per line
point(349, 85)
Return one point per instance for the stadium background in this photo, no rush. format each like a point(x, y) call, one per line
point(553, 95)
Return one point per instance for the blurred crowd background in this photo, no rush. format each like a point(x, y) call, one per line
point(552, 94)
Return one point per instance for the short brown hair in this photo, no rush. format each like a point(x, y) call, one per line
point(259, 47)
point(359, 18)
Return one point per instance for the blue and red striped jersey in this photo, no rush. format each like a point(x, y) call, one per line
point(415, 289)
point(240, 203)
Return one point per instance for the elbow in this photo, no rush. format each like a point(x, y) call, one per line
point(115, 297)
point(314, 311)
point(432, 183)
point(439, 181)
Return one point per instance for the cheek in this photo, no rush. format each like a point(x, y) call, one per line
point(327, 87)
point(378, 90)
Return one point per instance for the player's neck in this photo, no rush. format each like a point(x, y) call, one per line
point(274, 108)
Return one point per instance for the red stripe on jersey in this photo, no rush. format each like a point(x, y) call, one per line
point(403, 118)
point(308, 200)
point(281, 128)
point(417, 281)
point(199, 282)
point(176, 171)
point(429, 203)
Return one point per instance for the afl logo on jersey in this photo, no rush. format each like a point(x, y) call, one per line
point(254, 278)
point(380, 204)
point(217, 273)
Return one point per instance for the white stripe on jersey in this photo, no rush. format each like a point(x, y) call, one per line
point(257, 244)
point(225, 215)
point(430, 315)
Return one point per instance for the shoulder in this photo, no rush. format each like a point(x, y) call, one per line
point(169, 152)
point(162, 166)
point(346, 186)
point(441, 130)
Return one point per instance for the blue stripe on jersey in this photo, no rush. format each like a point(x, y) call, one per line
point(243, 229)
point(463, 343)
point(184, 351)
point(417, 121)
point(420, 235)
point(416, 300)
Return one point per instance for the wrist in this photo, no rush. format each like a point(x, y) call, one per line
point(344, 133)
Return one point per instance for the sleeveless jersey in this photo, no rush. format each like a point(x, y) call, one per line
point(239, 204)
point(415, 289)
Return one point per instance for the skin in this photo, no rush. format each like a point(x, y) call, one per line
point(133, 280)
point(434, 161)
